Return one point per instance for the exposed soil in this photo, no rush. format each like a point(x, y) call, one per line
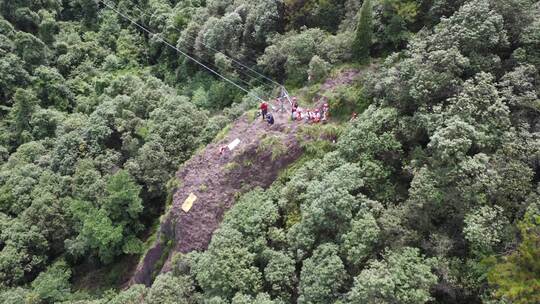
point(217, 180)
point(345, 78)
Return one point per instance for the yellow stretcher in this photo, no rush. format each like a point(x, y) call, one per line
point(188, 203)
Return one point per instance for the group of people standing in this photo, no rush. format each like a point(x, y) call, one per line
point(316, 115)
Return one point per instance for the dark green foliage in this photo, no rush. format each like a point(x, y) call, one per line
point(322, 276)
point(168, 289)
point(9, 82)
point(280, 273)
point(421, 198)
point(402, 277)
point(516, 276)
point(359, 242)
point(396, 21)
point(221, 95)
point(314, 13)
point(177, 125)
point(110, 227)
point(53, 285)
point(122, 201)
point(23, 253)
point(364, 33)
point(30, 49)
point(290, 55)
point(52, 90)
point(228, 266)
point(24, 104)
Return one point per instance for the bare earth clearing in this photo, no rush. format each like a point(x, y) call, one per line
point(217, 180)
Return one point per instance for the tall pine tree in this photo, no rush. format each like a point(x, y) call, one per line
point(364, 32)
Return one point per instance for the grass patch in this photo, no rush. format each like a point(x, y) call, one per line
point(313, 150)
point(316, 141)
point(252, 114)
point(229, 167)
point(154, 232)
point(172, 185)
point(318, 131)
point(318, 148)
point(336, 71)
point(286, 174)
point(346, 99)
point(307, 94)
point(168, 245)
point(247, 162)
point(272, 144)
point(222, 134)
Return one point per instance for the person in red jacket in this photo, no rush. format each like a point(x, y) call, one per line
point(264, 110)
point(298, 115)
point(222, 150)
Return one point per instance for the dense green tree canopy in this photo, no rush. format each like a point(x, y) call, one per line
point(429, 194)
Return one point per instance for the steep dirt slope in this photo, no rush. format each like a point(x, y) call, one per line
point(217, 180)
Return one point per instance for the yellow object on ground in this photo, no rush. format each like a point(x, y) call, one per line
point(188, 203)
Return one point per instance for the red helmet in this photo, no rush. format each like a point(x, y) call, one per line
point(317, 110)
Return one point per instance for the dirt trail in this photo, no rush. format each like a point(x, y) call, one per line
point(217, 180)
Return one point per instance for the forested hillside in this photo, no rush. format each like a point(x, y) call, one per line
point(430, 195)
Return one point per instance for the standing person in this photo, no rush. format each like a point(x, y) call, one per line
point(298, 115)
point(222, 150)
point(326, 108)
point(325, 112)
point(264, 109)
point(308, 115)
point(294, 107)
point(270, 119)
point(316, 116)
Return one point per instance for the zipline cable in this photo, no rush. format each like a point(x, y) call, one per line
point(217, 51)
point(284, 92)
point(209, 64)
point(249, 85)
point(189, 41)
point(180, 51)
point(194, 38)
point(237, 69)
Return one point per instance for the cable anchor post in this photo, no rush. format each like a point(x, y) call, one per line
point(285, 94)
